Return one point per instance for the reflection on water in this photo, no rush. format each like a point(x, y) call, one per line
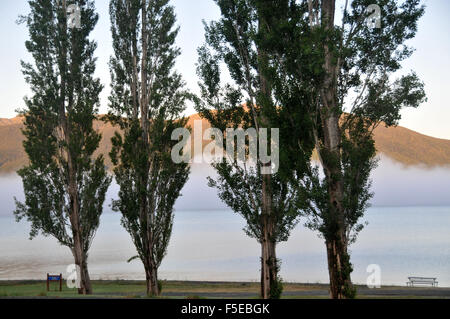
point(210, 245)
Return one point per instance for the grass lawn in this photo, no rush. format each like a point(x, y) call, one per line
point(194, 290)
point(136, 289)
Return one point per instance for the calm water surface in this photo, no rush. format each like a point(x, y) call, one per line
point(210, 245)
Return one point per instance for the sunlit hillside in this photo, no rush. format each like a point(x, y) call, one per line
point(398, 143)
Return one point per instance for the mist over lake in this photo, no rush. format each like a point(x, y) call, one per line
point(407, 235)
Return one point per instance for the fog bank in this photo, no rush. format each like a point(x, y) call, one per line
point(393, 185)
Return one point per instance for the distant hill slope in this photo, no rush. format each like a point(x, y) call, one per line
point(400, 144)
point(411, 148)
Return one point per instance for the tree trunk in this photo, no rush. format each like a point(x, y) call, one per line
point(151, 270)
point(330, 152)
point(74, 213)
point(79, 255)
point(339, 270)
point(78, 241)
point(265, 273)
point(85, 279)
point(85, 287)
point(338, 260)
point(268, 257)
point(151, 278)
point(273, 267)
point(269, 268)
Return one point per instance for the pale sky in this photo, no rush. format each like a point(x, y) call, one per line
point(430, 61)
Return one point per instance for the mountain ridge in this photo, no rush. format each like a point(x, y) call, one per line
point(401, 144)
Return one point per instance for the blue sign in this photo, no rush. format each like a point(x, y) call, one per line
point(54, 278)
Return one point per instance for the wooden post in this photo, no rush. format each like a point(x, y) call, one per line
point(48, 286)
point(60, 282)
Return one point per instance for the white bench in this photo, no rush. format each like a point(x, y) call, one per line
point(422, 281)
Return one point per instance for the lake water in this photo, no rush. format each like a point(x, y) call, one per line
point(210, 245)
point(408, 235)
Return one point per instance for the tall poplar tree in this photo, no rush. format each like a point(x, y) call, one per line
point(348, 70)
point(267, 201)
point(147, 101)
point(64, 183)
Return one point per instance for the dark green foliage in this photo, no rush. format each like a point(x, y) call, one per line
point(233, 41)
point(368, 58)
point(147, 110)
point(241, 190)
point(241, 42)
point(59, 136)
point(345, 72)
point(358, 161)
point(164, 184)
